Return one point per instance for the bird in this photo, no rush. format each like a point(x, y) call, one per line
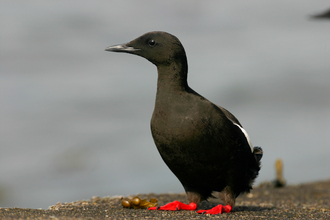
point(323, 15)
point(203, 144)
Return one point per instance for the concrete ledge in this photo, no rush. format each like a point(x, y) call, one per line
point(304, 201)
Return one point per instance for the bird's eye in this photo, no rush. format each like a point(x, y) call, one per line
point(152, 43)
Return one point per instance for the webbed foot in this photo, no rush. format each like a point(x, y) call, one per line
point(176, 206)
point(216, 210)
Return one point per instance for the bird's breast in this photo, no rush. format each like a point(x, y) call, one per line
point(180, 128)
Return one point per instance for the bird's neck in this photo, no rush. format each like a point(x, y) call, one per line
point(172, 78)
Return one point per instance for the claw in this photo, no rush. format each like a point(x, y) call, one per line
point(176, 206)
point(216, 210)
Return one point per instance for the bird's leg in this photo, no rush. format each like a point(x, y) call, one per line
point(228, 198)
point(195, 198)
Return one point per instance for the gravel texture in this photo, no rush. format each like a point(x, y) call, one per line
point(304, 201)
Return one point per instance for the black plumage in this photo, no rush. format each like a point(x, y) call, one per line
point(203, 144)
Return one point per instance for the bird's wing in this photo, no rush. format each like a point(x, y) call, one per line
point(234, 120)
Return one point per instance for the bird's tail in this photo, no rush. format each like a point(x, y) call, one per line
point(257, 151)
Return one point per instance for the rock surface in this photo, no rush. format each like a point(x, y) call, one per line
point(304, 201)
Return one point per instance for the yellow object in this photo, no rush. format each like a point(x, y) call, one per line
point(137, 203)
point(280, 181)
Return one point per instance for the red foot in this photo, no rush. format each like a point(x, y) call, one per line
point(175, 206)
point(216, 210)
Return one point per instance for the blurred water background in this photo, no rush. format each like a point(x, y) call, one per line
point(74, 119)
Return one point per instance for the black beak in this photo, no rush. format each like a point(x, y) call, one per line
point(121, 48)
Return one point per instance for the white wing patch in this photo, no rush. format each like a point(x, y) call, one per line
point(246, 135)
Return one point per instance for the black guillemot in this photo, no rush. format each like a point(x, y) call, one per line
point(203, 144)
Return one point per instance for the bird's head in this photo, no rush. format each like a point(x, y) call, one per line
point(158, 47)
